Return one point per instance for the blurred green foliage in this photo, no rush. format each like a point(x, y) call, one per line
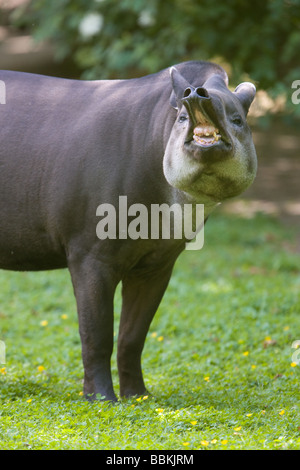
point(121, 38)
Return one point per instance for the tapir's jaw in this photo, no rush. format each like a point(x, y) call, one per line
point(206, 143)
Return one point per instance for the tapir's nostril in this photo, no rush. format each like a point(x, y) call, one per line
point(191, 93)
point(187, 92)
point(202, 92)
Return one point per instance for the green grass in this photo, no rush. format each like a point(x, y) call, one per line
point(217, 358)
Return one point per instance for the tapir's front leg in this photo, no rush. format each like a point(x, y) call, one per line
point(141, 297)
point(94, 287)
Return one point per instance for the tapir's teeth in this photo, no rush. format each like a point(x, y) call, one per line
point(206, 134)
point(205, 130)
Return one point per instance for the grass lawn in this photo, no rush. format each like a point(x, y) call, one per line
point(218, 360)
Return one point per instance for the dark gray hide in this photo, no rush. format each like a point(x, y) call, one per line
point(67, 146)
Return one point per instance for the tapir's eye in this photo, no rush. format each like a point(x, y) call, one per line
point(182, 117)
point(237, 120)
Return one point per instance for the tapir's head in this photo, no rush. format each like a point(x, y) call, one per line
point(210, 153)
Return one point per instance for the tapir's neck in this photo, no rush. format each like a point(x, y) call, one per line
point(182, 197)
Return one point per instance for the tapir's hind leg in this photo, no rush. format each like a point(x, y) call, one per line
point(94, 288)
point(141, 297)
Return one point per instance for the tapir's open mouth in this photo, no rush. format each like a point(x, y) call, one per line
point(206, 135)
point(204, 132)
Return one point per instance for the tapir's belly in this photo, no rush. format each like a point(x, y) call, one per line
point(28, 250)
point(36, 256)
point(26, 243)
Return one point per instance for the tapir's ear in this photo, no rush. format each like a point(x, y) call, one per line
point(179, 84)
point(245, 92)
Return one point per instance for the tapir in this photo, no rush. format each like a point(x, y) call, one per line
point(67, 146)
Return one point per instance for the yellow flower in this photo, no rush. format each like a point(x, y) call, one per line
point(207, 378)
point(29, 400)
point(263, 412)
point(159, 410)
point(204, 443)
point(145, 397)
point(253, 366)
point(193, 423)
point(80, 394)
point(160, 338)
point(44, 323)
point(185, 443)
point(249, 414)
point(238, 428)
point(3, 370)
point(41, 368)
point(282, 412)
point(294, 364)
point(139, 399)
point(224, 441)
point(154, 334)
point(268, 338)
point(246, 353)
point(64, 316)
point(214, 441)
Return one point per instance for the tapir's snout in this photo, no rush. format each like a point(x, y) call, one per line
point(207, 116)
